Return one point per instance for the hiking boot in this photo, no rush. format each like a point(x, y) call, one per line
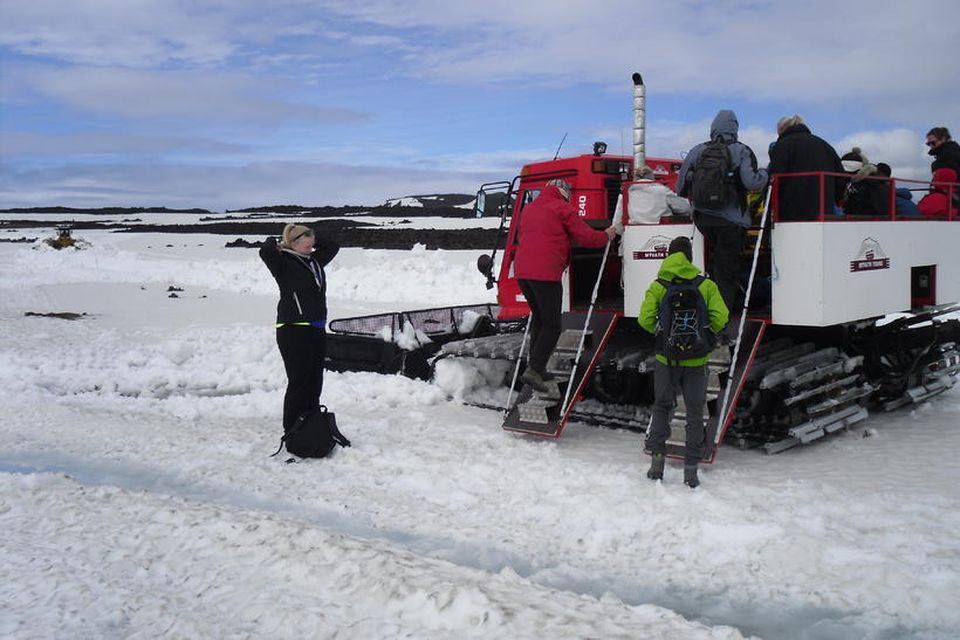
point(655, 472)
point(535, 380)
point(552, 392)
point(690, 476)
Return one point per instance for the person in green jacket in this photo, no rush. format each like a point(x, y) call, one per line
point(687, 376)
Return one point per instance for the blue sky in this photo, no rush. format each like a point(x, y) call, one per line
point(232, 103)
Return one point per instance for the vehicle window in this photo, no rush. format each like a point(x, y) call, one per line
point(529, 196)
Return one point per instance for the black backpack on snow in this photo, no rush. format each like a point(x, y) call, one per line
point(313, 435)
point(683, 326)
point(714, 178)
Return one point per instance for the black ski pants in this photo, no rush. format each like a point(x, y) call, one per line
point(692, 383)
point(724, 241)
point(303, 349)
point(545, 298)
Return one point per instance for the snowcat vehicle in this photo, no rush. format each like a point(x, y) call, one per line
point(844, 314)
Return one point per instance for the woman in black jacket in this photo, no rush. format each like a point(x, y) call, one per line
point(297, 265)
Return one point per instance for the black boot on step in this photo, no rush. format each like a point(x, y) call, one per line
point(534, 379)
point(657, 461)
point(690, 476)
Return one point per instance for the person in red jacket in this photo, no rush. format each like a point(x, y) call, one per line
point(548, 226)
point(936, 203)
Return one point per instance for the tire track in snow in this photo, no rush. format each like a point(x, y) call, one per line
point(750, 618)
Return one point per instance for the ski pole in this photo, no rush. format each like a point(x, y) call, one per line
point(583, 334)
point(516, 369)
point(743, 320)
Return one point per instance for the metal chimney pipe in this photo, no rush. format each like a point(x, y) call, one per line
point(639, 122)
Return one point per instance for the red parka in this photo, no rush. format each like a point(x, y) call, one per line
point(547, 227)
point(935, 204)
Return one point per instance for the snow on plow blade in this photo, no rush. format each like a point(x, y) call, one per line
point(402, 341)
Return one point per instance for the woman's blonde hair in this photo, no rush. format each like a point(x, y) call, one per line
point(788, 121)
point(293, 231)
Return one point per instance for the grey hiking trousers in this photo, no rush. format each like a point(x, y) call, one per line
point(692, 383)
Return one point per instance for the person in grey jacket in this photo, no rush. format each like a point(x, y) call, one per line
point(724, 227)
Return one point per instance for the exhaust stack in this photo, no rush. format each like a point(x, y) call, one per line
point(639, 122)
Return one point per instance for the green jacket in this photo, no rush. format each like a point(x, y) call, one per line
point(675, 266)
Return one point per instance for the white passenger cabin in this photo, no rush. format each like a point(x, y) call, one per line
point(828, 270)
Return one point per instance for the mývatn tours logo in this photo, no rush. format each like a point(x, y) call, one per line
point(870, 258)
point(655, 249)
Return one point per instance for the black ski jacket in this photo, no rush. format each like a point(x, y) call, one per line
point(302, 281)
point(797, 151)
point(866, 197)
point(946, 156)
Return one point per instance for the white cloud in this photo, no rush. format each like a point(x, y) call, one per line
point(190, 95)
point(274, 75)
point(902, 149)
point(218, 188)
point(136, 33)
point(875, 54)
point(34, 144)
point(328, 183)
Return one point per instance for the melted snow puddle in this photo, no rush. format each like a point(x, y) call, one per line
point(771, 620)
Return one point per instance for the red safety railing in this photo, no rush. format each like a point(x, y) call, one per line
point(821, 215)
point(948, 189)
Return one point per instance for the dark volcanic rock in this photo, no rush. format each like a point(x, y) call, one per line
point(249, 228)
point(384, 210)
point(377, 238)
point(62, 315)
point(101, 210)
point(350, 232)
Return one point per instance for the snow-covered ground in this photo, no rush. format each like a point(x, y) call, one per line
point(138, 498)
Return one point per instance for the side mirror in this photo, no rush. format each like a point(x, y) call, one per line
point(485, 266)
point(479, 206)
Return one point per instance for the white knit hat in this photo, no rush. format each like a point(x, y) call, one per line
point(562, 185)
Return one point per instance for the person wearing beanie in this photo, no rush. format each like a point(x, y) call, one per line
point(297, 264)
point(863, 194)
point(724, 224)
point(797, 151)
point(548, 227)
point(944, 187)
point(689, 376)
point(946, 152)
point(904, 204)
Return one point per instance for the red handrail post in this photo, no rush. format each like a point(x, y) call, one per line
point(822, 189)
point(893, 199)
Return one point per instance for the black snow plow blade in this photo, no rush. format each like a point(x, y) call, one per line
point(403, 341)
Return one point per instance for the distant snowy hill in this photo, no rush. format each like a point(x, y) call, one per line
point(459, 200)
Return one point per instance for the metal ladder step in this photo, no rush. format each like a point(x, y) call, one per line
point(565, 353)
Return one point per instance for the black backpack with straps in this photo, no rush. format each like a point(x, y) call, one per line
point(714, 178)
point(313, 435)
point(683, 325)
